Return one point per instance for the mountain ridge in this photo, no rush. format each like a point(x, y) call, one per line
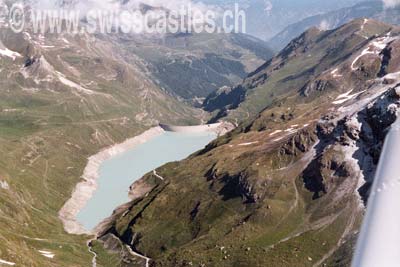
point(288, 186)
point(331, 20)
point(329, 48)
point(63, 98)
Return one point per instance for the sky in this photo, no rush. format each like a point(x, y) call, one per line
point(115, 4)
point(174, 4)
point(265, 18)
point(391, 3)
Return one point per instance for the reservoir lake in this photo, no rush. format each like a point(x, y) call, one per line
point(117, 174)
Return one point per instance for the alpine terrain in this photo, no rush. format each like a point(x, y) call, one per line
point(289, 186)
point(64, 97)
point(333, 19)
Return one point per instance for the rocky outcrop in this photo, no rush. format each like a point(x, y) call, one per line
point(228, 98)
point(286, 188)
point(299, 144)
point(317, 63)
point(359, 137)
point(314, 86)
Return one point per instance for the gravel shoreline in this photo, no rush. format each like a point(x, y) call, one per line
point(84, 190)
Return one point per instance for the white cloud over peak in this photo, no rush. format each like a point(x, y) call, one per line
point(117, 4)
point(391, 3)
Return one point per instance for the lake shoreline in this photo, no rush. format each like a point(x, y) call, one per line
point(85, 189)
point(219, 128)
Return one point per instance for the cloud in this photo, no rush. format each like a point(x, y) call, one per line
point(117, 5)
point(268, 6)
point(391, 3)
point(85, 6)
point(324, 25)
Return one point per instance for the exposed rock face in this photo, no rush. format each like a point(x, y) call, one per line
point(299, 144)
point(230, 99)
point(366, 9)
point(316, 64)
point(338, 176)
point(299, 173)
point(362, 134)
point(318, 85)
point(238, 186)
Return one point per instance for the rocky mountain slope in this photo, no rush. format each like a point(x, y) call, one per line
point(63, 98)
point(205, 62)
point(287, 187)
point(331, 20)
point(307, 65)
point(266, 18)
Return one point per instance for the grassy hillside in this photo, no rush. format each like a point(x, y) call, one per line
point(65, 97)
point(204, 62)
point(287, 187)
point(300, 66)
point(62, 99)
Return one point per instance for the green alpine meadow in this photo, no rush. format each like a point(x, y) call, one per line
point(214, 133)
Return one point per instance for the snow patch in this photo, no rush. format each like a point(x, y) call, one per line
point(346, 97)
point(275, 132)
point(335, 74)
point(393, 76)
point(363, 53)
point(374, 48)
point(72, 84)
point(9, 263)
point(290, 130)
point(47, 69)
point(345, 94)
point(349, 151)
point(47, 254)
point(248, 144)
point(4, 185)
point(373, 93)
point(8, 53)
point(65, 40)
point(354, 123)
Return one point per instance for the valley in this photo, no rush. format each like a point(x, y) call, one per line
point(193, 149)
point(64, 98)
point(288, 186)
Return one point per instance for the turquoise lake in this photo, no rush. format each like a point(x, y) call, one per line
point(119, 172)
